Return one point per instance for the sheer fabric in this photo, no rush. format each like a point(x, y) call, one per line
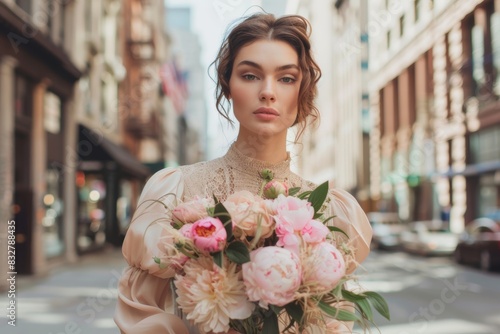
point(146, 304)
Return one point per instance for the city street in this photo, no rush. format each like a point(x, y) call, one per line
point(433, 295)
point(75, 299)
point(425, 295)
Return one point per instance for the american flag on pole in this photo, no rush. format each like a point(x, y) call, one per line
point(174, 85)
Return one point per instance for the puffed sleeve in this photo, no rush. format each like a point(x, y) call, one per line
point(145, 303)
point(350, 217)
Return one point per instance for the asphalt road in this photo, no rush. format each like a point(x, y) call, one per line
point(75, 299)
point(433, 295)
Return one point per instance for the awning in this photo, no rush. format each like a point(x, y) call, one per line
point(94, 146)
point(476, 169)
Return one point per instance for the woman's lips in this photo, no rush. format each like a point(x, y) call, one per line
point(266, 114)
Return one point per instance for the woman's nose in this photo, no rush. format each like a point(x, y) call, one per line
point(267, 92)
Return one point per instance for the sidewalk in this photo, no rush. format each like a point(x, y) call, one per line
point(74, 299)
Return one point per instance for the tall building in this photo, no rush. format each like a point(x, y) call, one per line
point(434, 103)
point(185, 54)
point(38, 79)
point(109, 174)
point(338, 149)
point(81, 119)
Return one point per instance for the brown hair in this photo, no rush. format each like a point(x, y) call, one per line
point(292, 29)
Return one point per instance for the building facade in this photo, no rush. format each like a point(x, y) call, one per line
point(82, 120)
point(434, 104)
point(185, 53)
point(338, 150)
point(38, 81)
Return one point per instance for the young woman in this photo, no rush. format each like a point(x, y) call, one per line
point(266, 71)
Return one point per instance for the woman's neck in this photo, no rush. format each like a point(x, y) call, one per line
point(271, 150)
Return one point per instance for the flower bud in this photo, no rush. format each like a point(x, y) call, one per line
point(274, 188)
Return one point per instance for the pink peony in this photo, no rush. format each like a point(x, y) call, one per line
point(274, 188)
point(186, 230)
point(324, 267)
point(248, 212)
point(314, 232)
point(293, 212)
point(272, 276)
point(191, 211)
point(209, 234)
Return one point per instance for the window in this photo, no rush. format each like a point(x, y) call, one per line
point(88, 16)
point(25, 5)
point(52, 222)
point(401, 25)
point(484, 145)
point(416, 9)
point(23, 95)
point(478, 74)
point(495, 41)
point(52, 113)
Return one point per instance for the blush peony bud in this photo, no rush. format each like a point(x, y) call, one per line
point(274, 188)
point(324, 267)
point(189, 212)
point(209, 234)
point(248, 213)
point(272, 276)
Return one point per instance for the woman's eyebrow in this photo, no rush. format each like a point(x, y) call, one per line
point(257, 66)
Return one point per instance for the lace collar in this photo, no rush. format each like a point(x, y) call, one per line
point(250, 166)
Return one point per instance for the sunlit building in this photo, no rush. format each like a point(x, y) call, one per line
point(38, 78)
point(82, 120)
point(338, 150)
point(185, 53)
point(434, 101)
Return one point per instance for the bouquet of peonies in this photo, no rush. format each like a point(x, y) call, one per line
point(254, 260)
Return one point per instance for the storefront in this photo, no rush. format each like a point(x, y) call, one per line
point(108, 183)
point(483, 174)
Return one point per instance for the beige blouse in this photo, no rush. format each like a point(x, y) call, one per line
point(145, 299)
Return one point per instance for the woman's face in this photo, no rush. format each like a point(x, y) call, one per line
point(264, 88)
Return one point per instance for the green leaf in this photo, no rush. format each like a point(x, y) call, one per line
point(276, 309)
point(271, 324)
point(318, 196)
point(221, 212)
point(157, 259)
point(217, 258)
point(238, 252)
point(336, 229)
point(339, 314)
point(379, 304)
point(328, 219)
point(293, 191)
point(295, 311)
point(304, 195)
point(351, 296)
point(366, 309)
point(216, 200)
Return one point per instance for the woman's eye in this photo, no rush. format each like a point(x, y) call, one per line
point(249, 77)
point(288, 80)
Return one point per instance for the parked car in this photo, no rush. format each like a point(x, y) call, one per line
point(429, 238)
point(386, 228)
point(479, 245)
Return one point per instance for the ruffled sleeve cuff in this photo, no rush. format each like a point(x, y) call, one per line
point(350, 217)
